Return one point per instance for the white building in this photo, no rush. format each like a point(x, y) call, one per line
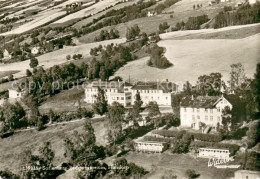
point(124, 93)
point(151, 13)
point(159, 92)
point(203, 109)
point(213, 153)
point(35, 50)
point(15, 93)
point(150, 146)
point(115, 91)
point(246, 174)
point(7, 55)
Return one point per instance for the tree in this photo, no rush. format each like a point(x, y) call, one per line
point(80, 149)
point(68, 57)
point(132, 32)
point(12, 115)
point(33, 62)
point(28, 73)
point(153, 109)
point(192, 173)
point(115, 117)
point(257, 85)
point(41, 166)
point(253, 134)
point(100, 105)
point(237, 76)
point(11, 77)
point(137, 104)
point(132, 170)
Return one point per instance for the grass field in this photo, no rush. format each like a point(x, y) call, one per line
point(192, 58)
point(7, 73)
point(56, 57)
point(177, 164)
point(12, 148)
point(67, 100)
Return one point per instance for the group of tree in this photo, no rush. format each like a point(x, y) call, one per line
point(157, 59)
point(105, 35)
point(115, 17)
point(163, 27)
point(132, 32)
point(160, 7)
point(193, 23)
point(247, 14)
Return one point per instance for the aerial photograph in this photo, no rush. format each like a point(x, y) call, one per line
point(129, 89)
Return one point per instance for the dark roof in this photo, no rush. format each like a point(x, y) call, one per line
point(165, 86)
point(200, 101)
point(107, 84)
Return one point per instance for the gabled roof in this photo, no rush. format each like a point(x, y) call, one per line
point(200, 101)
point(165, 86)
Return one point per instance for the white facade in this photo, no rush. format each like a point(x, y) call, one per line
point(147, 95)
point(125, 95)
point(115, 92)
point(150, 146)
point(246, 174)
point(15, 94)
point(35, 50)
point(151, 13)
point(7, 55)
point(192, 116)
point(213, 153)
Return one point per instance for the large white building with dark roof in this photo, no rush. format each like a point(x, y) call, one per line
point(124, 93)
point(203, 109)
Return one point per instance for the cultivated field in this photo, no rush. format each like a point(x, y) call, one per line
point(95, 16)
point(87, 11)
point(56, 57)
point(192, 58)
point(40, 19)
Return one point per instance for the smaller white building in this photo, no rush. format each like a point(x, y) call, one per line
point(151, 13)
point(35, 50)
point(15, 93)
point(6, 54)
point(150, 146)
point(246, 174)
point(214, 153)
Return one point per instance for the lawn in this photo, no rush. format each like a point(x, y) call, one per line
point(12, 148)
point(65, 101)
point(160, 164)
point(192, 58)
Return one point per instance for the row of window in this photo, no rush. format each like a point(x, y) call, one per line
point(149, 91)
point(206, 118)
point(212, 150)
point(198, 110)
point(106, 90)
